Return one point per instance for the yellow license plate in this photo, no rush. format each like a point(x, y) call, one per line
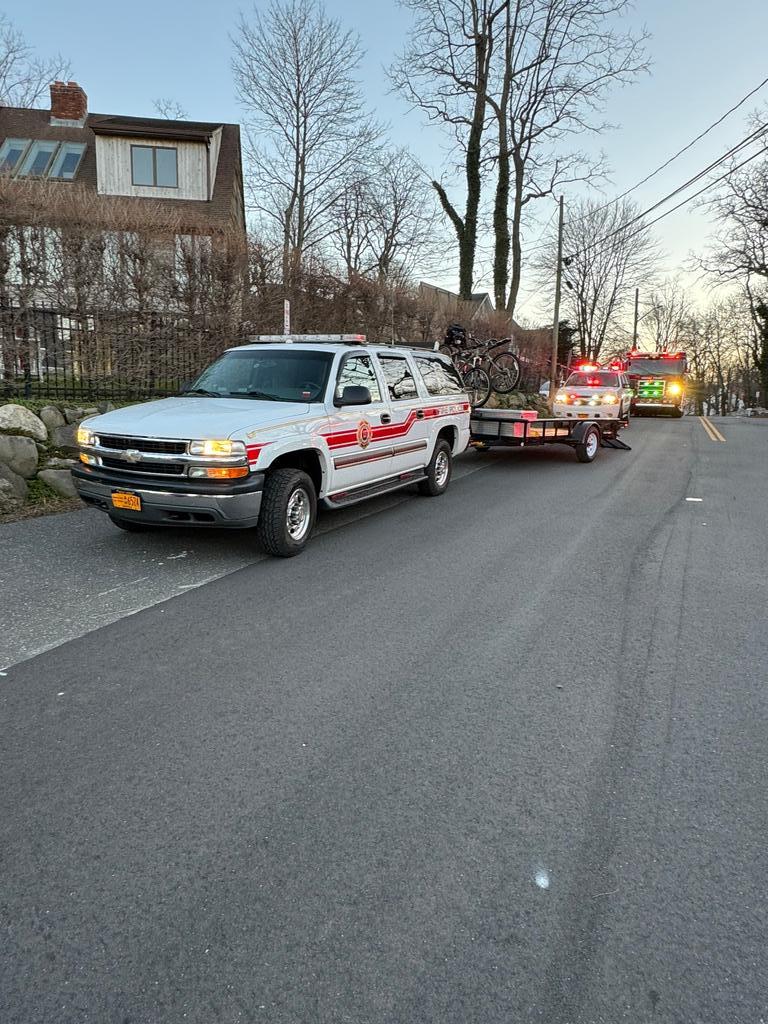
point(121, 499)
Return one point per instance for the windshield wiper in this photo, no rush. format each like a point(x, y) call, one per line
point(259, 394)
point(201, 391)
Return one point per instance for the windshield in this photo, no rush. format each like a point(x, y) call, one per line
point(275, 376)
point(657, 367)
point(593, 380)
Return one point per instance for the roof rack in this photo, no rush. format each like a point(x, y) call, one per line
point(312, 339)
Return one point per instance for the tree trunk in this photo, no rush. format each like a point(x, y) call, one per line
point(517, 253)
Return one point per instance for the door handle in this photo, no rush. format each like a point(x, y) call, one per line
point(386, 418)
point(419, 414)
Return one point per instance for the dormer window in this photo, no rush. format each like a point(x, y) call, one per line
point(154, 166)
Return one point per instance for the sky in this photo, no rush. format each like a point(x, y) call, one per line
point(706, 56)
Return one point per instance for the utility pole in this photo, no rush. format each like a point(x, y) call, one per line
point(553, 374)
point(637, 310)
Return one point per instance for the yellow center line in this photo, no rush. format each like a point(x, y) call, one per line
point(712, 432)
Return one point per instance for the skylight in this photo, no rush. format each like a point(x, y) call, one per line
point(41, 158)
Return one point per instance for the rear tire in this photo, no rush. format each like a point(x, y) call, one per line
point(589, 446)
point(439, 471)
point(288, 511)
point(129, 525)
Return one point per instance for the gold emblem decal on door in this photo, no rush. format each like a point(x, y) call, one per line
point(364, 433)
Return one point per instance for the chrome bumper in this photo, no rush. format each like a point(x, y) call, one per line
point(238, 509)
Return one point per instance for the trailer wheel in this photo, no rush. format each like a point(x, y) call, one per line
point(589, 445)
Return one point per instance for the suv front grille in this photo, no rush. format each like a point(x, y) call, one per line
point(153, 468)
point(147, 445)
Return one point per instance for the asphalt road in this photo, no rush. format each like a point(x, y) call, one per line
point(497, 757)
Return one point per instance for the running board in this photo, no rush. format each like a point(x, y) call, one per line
point(614, 442)
point(343, 498)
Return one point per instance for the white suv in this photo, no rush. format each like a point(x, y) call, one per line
point(270, 430)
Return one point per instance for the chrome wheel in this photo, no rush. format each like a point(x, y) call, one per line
point(298, 514)
point(442, 468)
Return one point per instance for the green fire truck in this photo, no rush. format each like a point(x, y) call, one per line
point(658, 382)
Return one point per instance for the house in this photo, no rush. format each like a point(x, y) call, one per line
point(106, 215)
point(479, 307)
point(192, 168)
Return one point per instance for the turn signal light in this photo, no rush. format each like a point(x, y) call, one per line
point(219, 472)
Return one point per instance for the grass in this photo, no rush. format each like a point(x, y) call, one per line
point(42, 500)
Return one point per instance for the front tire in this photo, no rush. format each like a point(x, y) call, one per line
point(439, 470)
point(288, 511)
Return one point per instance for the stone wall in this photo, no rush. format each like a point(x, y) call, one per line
point(40, 446)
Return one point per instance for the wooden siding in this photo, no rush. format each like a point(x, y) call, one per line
point(113, 169)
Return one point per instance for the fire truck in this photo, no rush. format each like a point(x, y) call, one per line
point(657, 380)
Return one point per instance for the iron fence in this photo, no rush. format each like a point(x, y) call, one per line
point(94, 356)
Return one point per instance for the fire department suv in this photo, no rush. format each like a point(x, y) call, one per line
point(273, 428)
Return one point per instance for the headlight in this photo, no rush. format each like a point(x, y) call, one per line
point(610, 399)
point(561, 397)
point(674, 389)
point(212, 449)
point(85, 436)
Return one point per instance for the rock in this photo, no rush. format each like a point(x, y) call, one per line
point(15, 419)
point(73, 415)
point(59, 480)
point(13, 490)
point(60, 463)
point(66, 436)
point(106, 407)
point(52, 417)
point(19, 454)
point(89, 412)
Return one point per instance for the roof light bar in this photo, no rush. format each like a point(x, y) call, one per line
point(312, 339)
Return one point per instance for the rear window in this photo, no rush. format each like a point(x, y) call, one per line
point(593, 379)
point(439, 378)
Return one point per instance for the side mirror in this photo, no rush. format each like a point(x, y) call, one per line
point(353, 394)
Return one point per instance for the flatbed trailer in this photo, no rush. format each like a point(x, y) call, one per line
point(515, 428)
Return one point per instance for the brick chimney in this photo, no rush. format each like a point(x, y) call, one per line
point(68, 102)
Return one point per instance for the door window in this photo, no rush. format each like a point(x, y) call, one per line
point(358, 371)
point(400, 382)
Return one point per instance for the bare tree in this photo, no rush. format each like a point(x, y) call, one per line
point(446, 70)
point(386, 222)
point(667, 310)
point(738, 251)
point(559, 60)
point(24, 77)
point(295, 73)
point(608, 258)
point(170, 109)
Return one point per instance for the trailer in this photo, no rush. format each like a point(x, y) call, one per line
point(521, 428)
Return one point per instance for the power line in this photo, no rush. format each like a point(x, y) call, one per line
point(684, 202)
point(759, 132)
point(685, 149)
